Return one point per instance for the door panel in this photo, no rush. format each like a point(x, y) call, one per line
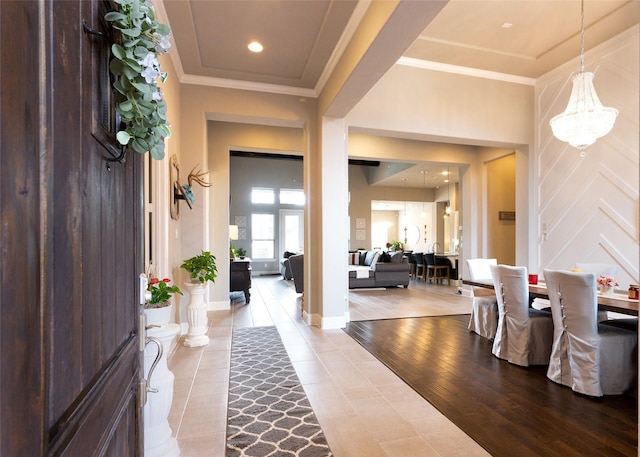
point(98, 258)
point(74, 244)
point(22, 431)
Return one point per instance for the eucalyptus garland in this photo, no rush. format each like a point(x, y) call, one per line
point(139, 100)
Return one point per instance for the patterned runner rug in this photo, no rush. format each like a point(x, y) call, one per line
point(269, 413)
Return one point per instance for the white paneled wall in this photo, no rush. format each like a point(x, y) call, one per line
point(587, 207)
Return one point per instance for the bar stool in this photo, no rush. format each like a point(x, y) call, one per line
point(412, 263)
point(432, 269)
point(419, 264)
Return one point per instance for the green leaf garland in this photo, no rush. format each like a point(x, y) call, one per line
point(139, 101)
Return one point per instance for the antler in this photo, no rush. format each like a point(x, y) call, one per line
point(197, 176)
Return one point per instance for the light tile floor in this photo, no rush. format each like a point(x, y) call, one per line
point(363, 408)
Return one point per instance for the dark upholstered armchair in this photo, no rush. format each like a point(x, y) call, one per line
point(296, 263)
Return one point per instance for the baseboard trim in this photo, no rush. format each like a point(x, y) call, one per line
point(329, 323)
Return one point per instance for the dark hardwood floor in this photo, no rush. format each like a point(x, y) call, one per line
point(508, 410)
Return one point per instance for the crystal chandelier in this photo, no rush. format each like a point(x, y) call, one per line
point(585, 119)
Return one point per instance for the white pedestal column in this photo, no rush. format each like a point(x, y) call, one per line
point(158, 439)
point(197, 317)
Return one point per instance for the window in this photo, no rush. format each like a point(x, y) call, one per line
point(292, 197)
point(380, 234)
point(262, 196)
point(262, 236)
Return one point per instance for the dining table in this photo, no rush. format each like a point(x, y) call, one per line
point(616, 302)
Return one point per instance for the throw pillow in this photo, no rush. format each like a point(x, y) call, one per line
point(376, 257)
point(368, 260)
point(363, 256)
point(288, 254)
point(384, 257)
point(354, 258)
point(396, 257)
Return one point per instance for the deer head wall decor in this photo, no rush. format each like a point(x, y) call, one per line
point(197, 176)
point(184, 191)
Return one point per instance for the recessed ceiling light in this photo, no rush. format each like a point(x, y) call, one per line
point(507, 25)
point(255, 46)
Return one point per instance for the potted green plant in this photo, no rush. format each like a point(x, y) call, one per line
point(158, 301)
point(160, 293)
point(201, 268)
point(394, 245)
point(242, 253)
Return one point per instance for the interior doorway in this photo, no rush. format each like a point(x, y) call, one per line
point(501, 209)
point(280, 177)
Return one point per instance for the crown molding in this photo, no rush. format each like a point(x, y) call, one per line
point(466, 71)
point(246, 85)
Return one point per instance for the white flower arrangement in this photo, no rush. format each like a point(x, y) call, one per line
point(139, 101)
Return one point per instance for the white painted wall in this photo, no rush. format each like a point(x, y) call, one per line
point(589, 205)
point(438, 106)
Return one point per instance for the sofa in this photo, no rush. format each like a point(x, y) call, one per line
point(369, 269)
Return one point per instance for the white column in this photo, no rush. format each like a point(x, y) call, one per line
point(335, 229)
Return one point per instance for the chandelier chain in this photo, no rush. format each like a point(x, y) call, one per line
point(582, 36)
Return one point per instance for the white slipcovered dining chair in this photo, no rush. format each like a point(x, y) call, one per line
point(525, 335)
point(484, 309)
point(591, 358)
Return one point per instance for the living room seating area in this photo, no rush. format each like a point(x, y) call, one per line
point(371, 269)
point(367, 269)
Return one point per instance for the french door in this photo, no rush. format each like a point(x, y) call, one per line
point(291, 230)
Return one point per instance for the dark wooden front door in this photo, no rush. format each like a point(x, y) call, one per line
point(70, 241)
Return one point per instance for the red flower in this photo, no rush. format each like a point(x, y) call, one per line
point(161, 291)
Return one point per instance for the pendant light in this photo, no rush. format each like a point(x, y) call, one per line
point(404, 180)
point(585, 119)
point(424, 199)
point(447, 209)
point(424, 191)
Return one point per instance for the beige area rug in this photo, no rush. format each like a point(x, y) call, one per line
point(420, 299)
